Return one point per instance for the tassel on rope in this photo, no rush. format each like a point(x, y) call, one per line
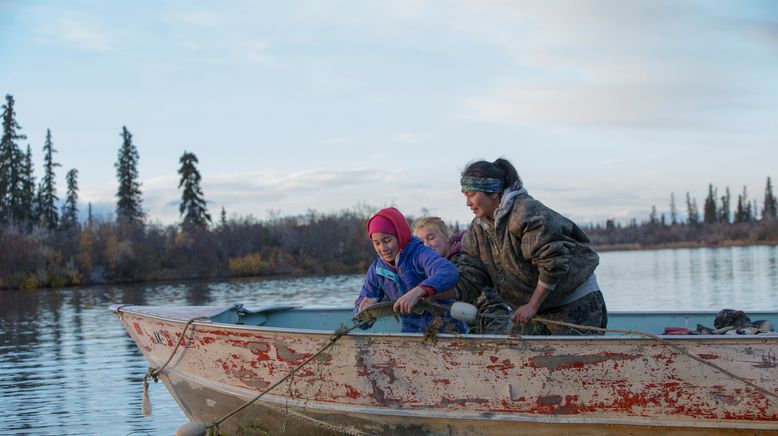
point(145, 406)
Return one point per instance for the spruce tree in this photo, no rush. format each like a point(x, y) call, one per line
point(739, 210)
point(192, 208)
point(223, 218)
point(16, 197)
point(673, 210)
point(769, 207)
point(36, 208)
point(652, 217)
point(692, 215)
point(748, 211)
point(128, 205)
point(70, 209)
point(709, 211)
point(744, 212)
point(27, 209)
point(10, 160)
point(47, 193)
point(725, 207)
point(754, 210)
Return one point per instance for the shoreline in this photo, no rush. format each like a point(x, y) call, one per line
point(169, 278)
point(678, 245)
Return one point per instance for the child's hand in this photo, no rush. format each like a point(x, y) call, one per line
point(405, 303)
point(367, 301)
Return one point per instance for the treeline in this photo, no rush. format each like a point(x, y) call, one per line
point(102, 251)
point(43, 246)
point(719, 223)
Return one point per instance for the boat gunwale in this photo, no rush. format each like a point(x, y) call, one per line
point(767, 337)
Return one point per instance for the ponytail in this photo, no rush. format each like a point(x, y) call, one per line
point(500, 169)
point(511, 175)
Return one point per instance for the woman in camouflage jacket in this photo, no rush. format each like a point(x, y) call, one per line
point(538, 260)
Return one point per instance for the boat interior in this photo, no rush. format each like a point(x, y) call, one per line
point(295, 317)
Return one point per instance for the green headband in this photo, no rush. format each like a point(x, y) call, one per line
point(482, 184)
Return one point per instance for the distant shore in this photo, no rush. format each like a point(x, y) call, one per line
point(674, 245)
point(270, 265)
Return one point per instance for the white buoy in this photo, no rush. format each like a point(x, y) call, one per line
point(192, 429)
point(463, 311)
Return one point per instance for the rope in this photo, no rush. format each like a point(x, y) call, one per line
point(154, 373)
point(339, 333)
point(667, 343)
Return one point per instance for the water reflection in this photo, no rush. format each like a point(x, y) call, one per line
point(691, 279)
point(68, 367)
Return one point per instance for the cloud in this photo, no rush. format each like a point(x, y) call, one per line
point(293, 181)
point(79, 32)
point(252, 193)
point(97, 194)
point(628, 104)
point(636, 64)
point(208, 19)
point(766, 32)
point(343, 140)
point(606, 199)
point(219, 36)
point(411, 137)
point(254, 52)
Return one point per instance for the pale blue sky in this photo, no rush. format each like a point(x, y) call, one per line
point(605, 107)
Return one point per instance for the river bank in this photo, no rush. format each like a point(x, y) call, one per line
point(679, 245)
point(173, 276)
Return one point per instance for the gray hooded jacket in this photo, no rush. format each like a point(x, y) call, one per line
point(527, 243)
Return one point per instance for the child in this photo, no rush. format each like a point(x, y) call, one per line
point(434, 233)
point(405, 271)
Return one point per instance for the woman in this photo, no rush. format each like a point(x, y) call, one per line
point(538, 260)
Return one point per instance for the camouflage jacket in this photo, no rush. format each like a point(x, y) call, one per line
point(526, 243)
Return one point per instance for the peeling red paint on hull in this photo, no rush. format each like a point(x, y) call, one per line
point(468, 380)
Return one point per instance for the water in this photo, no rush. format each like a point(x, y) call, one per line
point(691, 279)
point(68, 367)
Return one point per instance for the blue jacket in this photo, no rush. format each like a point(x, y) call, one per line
point(416, 265)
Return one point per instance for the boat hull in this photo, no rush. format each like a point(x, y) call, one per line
point(409, 384)
point(204, 403)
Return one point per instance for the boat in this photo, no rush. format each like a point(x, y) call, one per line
point(216, 359)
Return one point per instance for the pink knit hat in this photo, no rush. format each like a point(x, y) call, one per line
point(391, 221)
point(380, 224)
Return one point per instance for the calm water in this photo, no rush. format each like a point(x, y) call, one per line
point(68, 367)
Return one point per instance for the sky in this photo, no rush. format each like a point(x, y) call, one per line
point(604, 107)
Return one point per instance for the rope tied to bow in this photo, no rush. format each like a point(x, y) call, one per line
point(153, 373)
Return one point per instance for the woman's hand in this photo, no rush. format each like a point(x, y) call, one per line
point(523, 314)
point(367, 301)
point(527, 311)
point(405, 303)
